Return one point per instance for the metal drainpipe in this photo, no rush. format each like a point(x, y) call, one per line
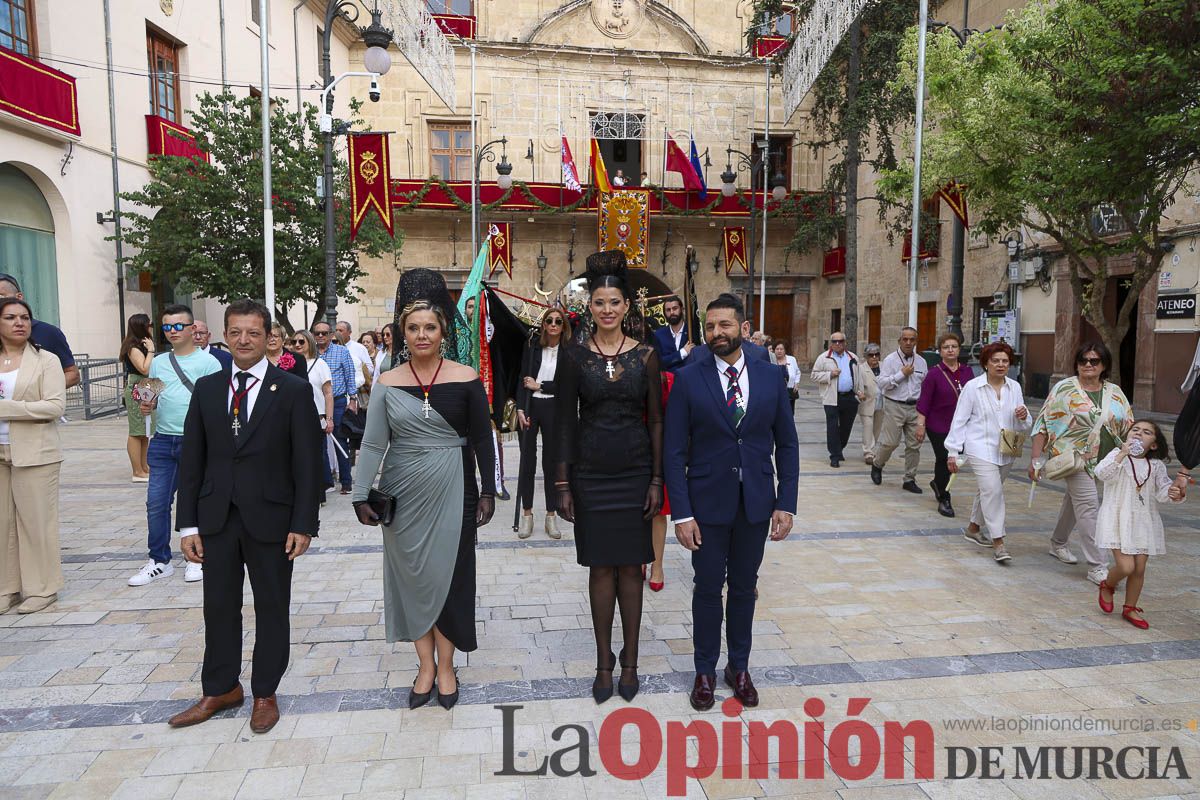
point(112, 134)
point(296, 48)
point(224, 77)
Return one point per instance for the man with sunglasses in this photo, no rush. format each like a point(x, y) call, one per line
point(345, 393)
point(178, 369)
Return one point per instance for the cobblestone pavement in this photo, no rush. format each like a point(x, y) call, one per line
point(874, 596)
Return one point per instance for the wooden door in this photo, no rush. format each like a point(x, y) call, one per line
point(874, 324)
point(779, 317)
point(926, 325)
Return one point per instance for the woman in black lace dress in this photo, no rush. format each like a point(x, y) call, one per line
point(609, 475)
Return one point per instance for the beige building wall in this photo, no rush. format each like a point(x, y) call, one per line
point(74, 174)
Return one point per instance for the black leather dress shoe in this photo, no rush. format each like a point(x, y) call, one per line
point(743, 687)
point(944, 507)
point(833, 462)
point(876, 475)
point(911, 486)
point(702, 697)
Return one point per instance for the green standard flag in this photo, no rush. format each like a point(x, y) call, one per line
point(471, 290)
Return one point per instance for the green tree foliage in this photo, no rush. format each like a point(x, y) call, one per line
point(200, 224)
point(1078, 111)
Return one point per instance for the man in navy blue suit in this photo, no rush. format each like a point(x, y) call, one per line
point(727, 414)
point(671, 340)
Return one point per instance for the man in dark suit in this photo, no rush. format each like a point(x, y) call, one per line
point(202, 336)
point(671, 340)
point(726, 416)
point(248, 502)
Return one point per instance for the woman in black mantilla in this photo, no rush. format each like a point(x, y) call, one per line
point(428, 426)
point(609, 473)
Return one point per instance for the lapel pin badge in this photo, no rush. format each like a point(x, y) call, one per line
point(274, 386)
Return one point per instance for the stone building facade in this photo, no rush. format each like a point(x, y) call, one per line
point(628, 72)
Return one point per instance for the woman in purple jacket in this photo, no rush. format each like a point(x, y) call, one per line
point(935, 411)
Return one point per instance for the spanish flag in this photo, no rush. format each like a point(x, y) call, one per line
point(599, 170)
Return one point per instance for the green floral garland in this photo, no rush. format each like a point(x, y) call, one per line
point(792, 206)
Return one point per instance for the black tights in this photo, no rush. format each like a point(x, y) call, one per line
point(605, 586)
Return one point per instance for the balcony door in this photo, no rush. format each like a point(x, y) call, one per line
point(620, 137)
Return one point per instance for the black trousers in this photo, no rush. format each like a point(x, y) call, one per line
point(839, 421)
point(541, 418)
point(728, 553)
point(941, 473)
point(227, 557)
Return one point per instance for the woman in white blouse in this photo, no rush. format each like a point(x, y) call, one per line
point(535, 411)
point(791, 370)
point(989, 404)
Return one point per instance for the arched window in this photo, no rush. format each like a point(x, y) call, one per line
point(27, 242)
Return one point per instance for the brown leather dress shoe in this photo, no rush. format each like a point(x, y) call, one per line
point(208, 706)
point(743, 687)
point(265, 714)
point(702, 698)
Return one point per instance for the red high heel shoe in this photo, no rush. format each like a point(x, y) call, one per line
point(657, 586)
point(1137, 623)
point(1107, 608)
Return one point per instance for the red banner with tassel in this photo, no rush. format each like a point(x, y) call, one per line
point(735, 250)
point(500, 248)
point(952, 193)
point(370, 179)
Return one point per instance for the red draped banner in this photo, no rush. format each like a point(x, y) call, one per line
point(370, 179)
point(33, 91)
point(952, 193)
point(735, 250)
point(500, 248)
point(165, 138)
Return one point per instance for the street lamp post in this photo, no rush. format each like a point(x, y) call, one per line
point(377, 38)
point(503, 180)
point(745, 163)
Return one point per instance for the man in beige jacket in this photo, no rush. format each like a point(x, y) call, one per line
point(839, 375)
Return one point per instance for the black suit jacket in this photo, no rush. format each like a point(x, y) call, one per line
point(270, 472)
point(531, 363)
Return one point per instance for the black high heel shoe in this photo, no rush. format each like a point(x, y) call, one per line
point(602, 693)
point(447, 701)
point(417, 699)
point(628, 690)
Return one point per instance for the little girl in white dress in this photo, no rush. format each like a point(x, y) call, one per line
point(1135, 482)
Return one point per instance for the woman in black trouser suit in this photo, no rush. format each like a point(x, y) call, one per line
point(535, 401)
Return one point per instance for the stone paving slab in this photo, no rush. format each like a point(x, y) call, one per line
point(874, 596)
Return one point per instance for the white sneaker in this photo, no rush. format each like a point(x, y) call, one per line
point(151, 572)
point(1063, 554)
point(1097, 574)
point(193, 572)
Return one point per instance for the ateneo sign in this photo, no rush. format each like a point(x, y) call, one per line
point(1176, 306)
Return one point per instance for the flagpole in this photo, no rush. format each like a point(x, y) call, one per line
point(268, 209)
point(474, 170)
point(762, 295)
point(918, 124)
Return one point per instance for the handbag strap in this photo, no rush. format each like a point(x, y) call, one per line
point(953, 385)
point(183, 378)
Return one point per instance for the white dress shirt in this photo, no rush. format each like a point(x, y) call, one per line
point(358, 352)
point(258, 371)
point(546, 370)
point(979, 417)
point(892, 382)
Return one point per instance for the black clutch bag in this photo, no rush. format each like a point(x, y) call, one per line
point(383, 505)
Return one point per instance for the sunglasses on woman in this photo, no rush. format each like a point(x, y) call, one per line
point(1091, 362)
point(554, 322)
point(297, 342)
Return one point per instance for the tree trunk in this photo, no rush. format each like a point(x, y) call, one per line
point(850, 302)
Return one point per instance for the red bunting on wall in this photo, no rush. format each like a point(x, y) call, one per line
point(165, 138)
point(500, 248)
point(735, 250)
point(31, 90)
point(370, 179)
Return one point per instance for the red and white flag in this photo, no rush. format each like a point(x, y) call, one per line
point(570, 175)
